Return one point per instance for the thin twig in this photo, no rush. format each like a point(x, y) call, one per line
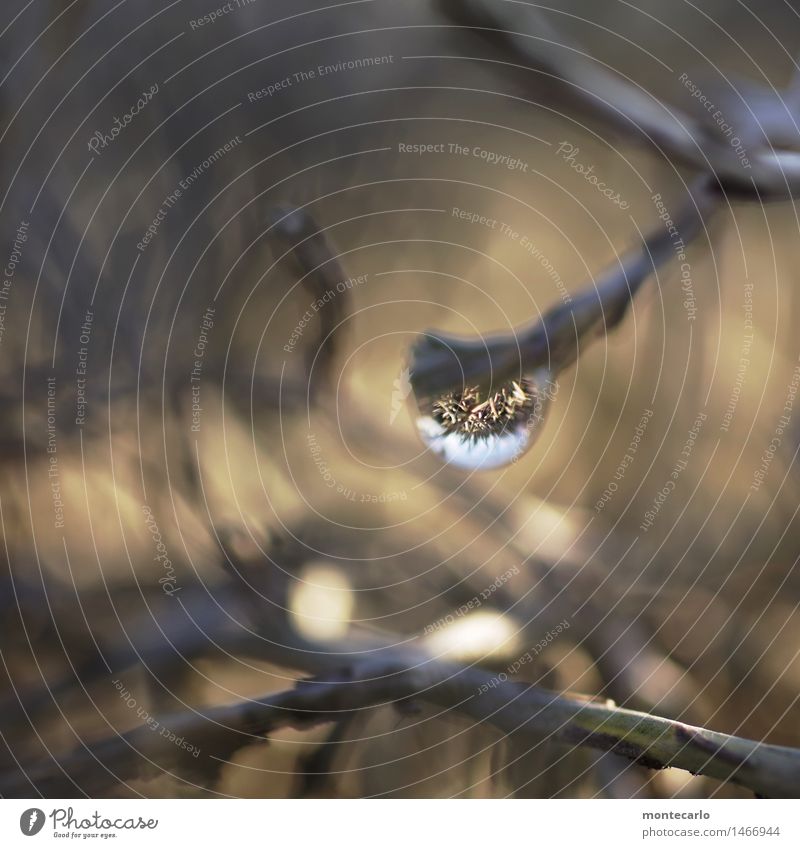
point(524, 36)
point(297, 232)
point(512, 708)
point(442, 363)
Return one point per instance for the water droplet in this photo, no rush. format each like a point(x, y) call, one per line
point(477, 430)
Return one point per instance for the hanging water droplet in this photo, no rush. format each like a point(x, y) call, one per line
point(477, 430)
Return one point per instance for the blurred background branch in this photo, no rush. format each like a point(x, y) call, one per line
point(391, 625)
point(395, 680)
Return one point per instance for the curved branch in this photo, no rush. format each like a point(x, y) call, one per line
point(296, 231)
point(442, 363)
point(524, 36)
point(512, 708)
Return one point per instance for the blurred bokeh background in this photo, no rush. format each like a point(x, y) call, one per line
point(204, 501)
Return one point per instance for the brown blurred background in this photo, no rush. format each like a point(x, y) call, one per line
point(302, 517)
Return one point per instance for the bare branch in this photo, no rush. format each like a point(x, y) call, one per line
point(442, 363)
point(526, 37)
point(512, 708)
point(297, 231)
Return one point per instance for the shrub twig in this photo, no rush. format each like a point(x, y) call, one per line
point(510, 707)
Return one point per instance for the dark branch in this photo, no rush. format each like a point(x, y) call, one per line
point(442, 363)
point(524, 37)
point(512, 708)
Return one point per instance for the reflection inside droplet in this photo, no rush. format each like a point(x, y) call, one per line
point(481, 431)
